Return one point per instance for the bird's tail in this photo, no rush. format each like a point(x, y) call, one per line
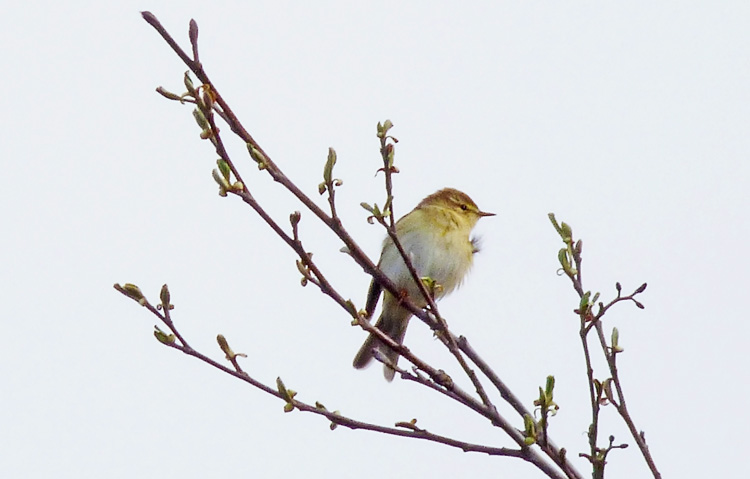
point(394, 325)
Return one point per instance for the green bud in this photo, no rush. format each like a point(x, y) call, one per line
point(553, 220)
point(328, 169)
point(567, 231)
point(189, 83)
point(201, 120)
point(163, 337)
point(258, 156)
point(294, 218)
point(584, 301)
point(131, 291)
point(529, 430)
point(164, 296)
point(616, 348)
point(206, 98)
point(206, 134)
point(168, 94)
point(528, 423)
point(282, 389)
point(220, 180)
point(333, 425)
point(607, 388)
point(383, 128)
point(542, 400)
point(390, 156)
point(598, 388)
point(351, 308)
point(224, 168)
point(302, 268)
point(224, 345)
point(550, 386)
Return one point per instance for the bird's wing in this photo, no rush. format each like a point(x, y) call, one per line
point(373, 295)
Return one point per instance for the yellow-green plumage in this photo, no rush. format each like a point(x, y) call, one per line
point(435, 236)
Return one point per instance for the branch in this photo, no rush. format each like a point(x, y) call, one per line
point(622, 409)
point(209, 101)
point(570, 259)
point(404, 430)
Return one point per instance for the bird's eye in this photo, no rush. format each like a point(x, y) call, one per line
point(464, 207)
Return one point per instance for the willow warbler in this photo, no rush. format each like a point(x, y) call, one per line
point(435, 236)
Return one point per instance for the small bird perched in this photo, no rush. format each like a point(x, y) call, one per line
point(435, 236)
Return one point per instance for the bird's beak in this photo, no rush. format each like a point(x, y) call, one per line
point(484, 213)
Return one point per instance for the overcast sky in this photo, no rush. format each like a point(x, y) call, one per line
point(630, 122)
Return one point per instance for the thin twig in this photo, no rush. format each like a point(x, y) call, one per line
point(589, 320)
point(620, 405)
point(440, 326)
point(218, 104)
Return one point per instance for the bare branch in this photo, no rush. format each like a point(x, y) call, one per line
point(209, 103)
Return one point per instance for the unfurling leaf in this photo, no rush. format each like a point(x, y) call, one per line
point(258, 156)
point(132, 291)
point(168, 94)
point(567, 232)
point(189, 84)
point(163, 337)
point(282, 389)
point(328, 169)
point(221, 181)
point(554, 222)
point(224, 345)
point(616, 348)
point(384, 127)
point(584, 303)
point(224, 168)
point(200, 118)
point(550, 386)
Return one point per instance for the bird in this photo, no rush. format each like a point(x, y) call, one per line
point(435, 236)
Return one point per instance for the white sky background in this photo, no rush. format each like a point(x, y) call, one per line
point(629, 122)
